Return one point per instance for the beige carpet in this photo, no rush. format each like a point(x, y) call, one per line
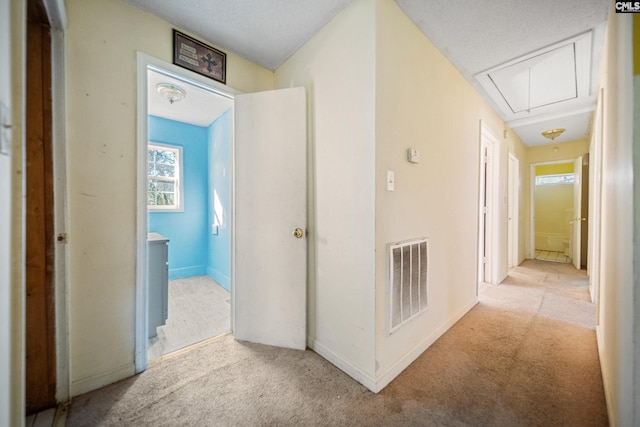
point(198, 310)
point(525, 356)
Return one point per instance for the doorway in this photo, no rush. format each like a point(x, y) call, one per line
point(487, 211)
point(188, 212)
point(513, 211)
point(553, 210)
point(269, 210)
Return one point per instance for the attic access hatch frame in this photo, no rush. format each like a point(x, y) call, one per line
point(582, 46)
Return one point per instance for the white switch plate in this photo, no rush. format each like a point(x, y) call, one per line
point(413, 155)
point(5, 130)
point(391, 181)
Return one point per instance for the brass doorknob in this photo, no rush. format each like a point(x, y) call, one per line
point(298, 233)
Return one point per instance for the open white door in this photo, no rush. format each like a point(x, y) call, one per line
point(576, 222)
point(270, 270)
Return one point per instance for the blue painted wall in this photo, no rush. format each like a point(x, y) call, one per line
point(219, 257)
point(187, 231)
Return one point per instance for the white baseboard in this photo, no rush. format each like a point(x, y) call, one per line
point(384, 378)
point(86, 385)
point(349, 369)
point(606, 381)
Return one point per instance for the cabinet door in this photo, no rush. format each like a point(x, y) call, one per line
point(164, 284)
point(157, 276)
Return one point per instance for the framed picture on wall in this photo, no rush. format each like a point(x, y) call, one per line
point(196, 56)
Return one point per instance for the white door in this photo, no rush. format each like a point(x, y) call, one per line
point(576, 222)
point(270, 269)
point(7, 319)
point(484, 243)
point(512, 211)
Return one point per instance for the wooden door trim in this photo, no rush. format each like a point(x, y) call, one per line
point(40, 331)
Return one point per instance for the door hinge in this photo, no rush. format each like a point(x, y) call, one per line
point(485, 259)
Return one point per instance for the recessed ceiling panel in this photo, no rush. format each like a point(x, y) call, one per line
point(553, 77)
point(513, 85)
point(539, 81)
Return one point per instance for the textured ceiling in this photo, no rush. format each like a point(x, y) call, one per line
point(475, 36)
point(478, 35)
point(501, 31)
point(265, 32)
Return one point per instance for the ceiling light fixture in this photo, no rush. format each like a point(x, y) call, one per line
point(553, 133)
point(171, 92)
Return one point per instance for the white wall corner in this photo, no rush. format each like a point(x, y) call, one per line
point(95, 382)
point(385, 377)
point(348, 368)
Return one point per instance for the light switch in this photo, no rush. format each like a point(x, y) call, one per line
point(5, 130)
point(214, 229)
point(413, 155)
point(391, 181)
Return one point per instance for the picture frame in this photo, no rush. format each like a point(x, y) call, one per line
point(198, 57)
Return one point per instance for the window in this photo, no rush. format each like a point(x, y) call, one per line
point(164, 172)
point(565, 178)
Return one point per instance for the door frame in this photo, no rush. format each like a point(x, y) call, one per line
point(488, 242)
point(576, 222)
point(513, 211)
point(57, 14)
point(532, 202)
point(595, 203)
point(55, 11)
point(144, 62)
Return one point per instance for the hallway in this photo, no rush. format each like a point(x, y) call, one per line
point(524, 356)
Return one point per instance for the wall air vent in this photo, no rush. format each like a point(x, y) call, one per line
point(408, 268)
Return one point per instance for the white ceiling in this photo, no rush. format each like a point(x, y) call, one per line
point(478, 37)
point(199, 107)
point(265, 32)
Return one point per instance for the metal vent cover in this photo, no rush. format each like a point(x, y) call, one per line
point(408, 290)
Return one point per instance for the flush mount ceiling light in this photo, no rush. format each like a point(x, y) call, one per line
point(171, 92)
point(552, 133)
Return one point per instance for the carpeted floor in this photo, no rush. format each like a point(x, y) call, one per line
point(198, 310)
point(524, 356)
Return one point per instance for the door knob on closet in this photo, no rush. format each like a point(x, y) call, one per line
point(298, 233)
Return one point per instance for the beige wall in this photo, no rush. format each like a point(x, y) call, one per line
point(568, 150)
point(553, 212)
point(616, 306)
point(346, 73)
point(337, 68)
point(423, 102)
point(102, 40)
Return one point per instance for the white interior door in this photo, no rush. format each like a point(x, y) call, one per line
point(576, 222)
point(512, 211)
point(270, 270)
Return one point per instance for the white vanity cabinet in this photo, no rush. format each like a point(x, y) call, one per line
point(158, 280)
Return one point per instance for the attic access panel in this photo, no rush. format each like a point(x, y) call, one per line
point(542, 80)
point(547, 81)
